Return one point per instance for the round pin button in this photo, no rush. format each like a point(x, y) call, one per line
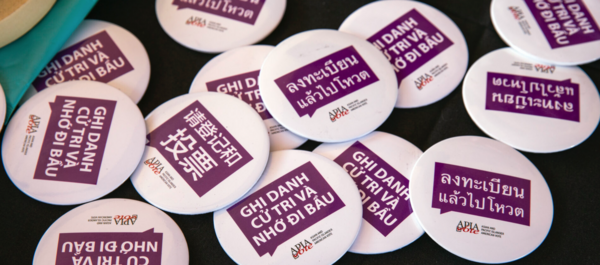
point(304, 209)
point(205, 150)
point(481, 200)
point(113, 231)
point(426, 49)
point(529, 105)
point(98, 51)
point(217, 26)
point(328, 86)
point(73, 143)
point(556, 33)
point(380, 165)
point(2, 107)
point(235, 73)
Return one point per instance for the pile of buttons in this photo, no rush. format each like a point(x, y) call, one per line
point(235, 145)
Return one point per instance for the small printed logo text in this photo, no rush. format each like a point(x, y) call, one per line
point(155, 165)
point(196, 21)
point(423, 80)
point(516, 12)
point(301, 248)
point(547, 69)
point(338, 113)
point(467, 227)
point(125, 219)
point(33, 124)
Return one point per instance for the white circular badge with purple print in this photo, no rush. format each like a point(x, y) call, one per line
point(380, 165)
point(304, 210)
point(425, 48)
point(554, 32)
point(328, 86)
point(529, 105)
point(481, 200)
point(113, 231)
point(98, 51)
point(204, 151)
point(73, 143)
point(214, 26)
point(235, 73)
point(2, 107)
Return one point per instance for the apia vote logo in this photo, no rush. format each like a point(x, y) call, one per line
point(301, 248)
point(338, 113)
point(467, 227)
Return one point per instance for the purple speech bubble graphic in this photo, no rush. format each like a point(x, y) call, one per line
point(384, 191)
point(246, 11)
point(564, 23)
point(75, 140)
point(243, 86)
point(410, 42)
point(326, 80)
point(284, 208)
point(533, 96)
point(96, 58)
point(481, 193)
point(199, 147)
point(109, 248)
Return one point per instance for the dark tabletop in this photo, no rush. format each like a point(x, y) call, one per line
point(572, 175)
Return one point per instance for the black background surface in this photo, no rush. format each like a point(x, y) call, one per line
point(572, 175)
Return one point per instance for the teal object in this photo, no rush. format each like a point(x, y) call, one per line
point(22, 60)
